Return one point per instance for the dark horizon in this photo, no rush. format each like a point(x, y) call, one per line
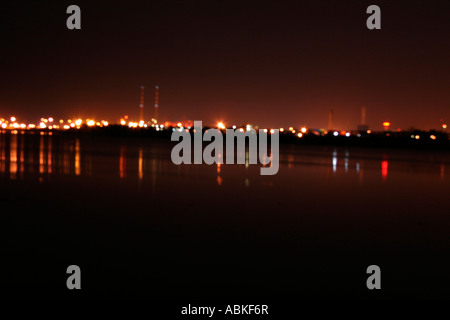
point(270, 63)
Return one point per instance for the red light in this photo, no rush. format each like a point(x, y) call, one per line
point(384, 169)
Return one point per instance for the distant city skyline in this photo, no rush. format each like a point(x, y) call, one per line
point(274, 64)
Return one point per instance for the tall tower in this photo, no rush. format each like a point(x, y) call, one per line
point(141, 105)
point(363, 116)
point(363, 127)
point(330, 120)
point(156, 103)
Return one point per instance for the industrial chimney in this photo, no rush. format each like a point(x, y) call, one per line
point(363, 127)
point(141, 106)
point(156, 103)
point(330, 120)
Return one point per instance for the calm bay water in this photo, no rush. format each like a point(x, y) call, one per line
point(140, 226)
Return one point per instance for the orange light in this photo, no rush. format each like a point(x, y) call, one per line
point(444, 126)
point(433, 137)
point(13, 119)
point(303, 130)
point(386, 124)
point(300, 135)
point(220, 125)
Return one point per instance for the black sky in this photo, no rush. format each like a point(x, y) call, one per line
point(273, 63)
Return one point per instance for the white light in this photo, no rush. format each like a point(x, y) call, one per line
point(335, 161)
point(347, 134)
point(335, 133)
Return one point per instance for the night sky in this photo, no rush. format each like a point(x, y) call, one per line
point(272, 63)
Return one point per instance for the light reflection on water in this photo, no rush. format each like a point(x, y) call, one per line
point(25, 156)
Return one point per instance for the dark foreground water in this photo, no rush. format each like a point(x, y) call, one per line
point(140, 226)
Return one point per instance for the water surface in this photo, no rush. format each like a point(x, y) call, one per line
point(140, 226)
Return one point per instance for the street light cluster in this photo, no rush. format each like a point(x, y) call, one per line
point(50, 124)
